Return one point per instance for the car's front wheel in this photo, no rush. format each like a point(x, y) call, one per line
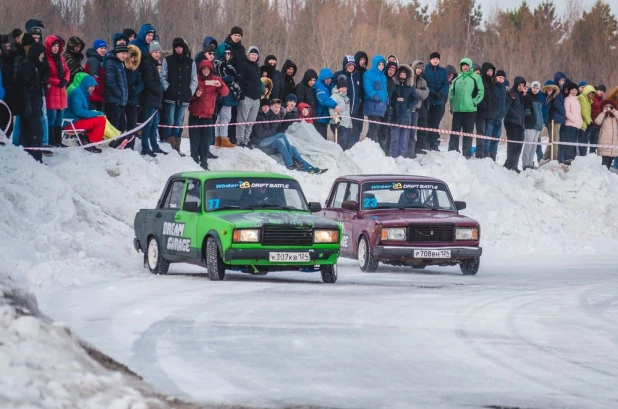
point(470, 266)
point(366, 260)
point(214, 263)
point(329, 273)
point(154, 259)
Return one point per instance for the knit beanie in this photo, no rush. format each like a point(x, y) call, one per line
point(16, 33)
point(602, 87)
point(236, 30)
point(253, 49)
point(500, 73)
point(98, 43)
point(571, 86)
point(291, 97)
point(433, 55)
point(34, 26)
point(264, 102)
point(128, 32)
point(121, 48)
point(154, 46)
point(582, 84)
point(342, 82)
point(536, 84)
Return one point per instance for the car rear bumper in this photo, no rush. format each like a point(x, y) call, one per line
point(408, 252)
point(261, 257)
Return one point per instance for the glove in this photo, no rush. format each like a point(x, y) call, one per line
point(438, 95)
point(27, 112)
point(375, 98)
point(62, 84)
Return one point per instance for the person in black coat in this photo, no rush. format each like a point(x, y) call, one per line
point(288, 86)
point(270, 67)
point(305, 91)
point(485, 110)
point(235, 43)
point(251, 85)
point(514, 123)
point(29, 99)
point(402, 102)
point(151, 98)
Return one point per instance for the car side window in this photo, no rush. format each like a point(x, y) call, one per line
point(352, 193)
point(194, 193)
point(337, 198)
point(173, 199)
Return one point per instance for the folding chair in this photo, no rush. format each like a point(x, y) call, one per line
point(73, 133)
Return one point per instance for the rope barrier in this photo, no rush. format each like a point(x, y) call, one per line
point(8, 125)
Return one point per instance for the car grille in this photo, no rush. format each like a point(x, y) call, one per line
point(431, 233)
point(275, 235)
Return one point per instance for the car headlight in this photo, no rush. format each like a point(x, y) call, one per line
point(396, 234)
point(466, 233)
point(326, 236)
point(246, 236)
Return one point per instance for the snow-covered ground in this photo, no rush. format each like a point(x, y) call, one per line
point(536, 328)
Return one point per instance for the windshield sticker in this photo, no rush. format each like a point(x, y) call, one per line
point(400, 185)
point(213, 204)
point(370, 202)
point(246, 185)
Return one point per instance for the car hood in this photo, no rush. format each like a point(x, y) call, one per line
point(405, 217)
point(247, 219)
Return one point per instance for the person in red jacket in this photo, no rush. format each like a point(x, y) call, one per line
point(56, 96)
point(201, 110)
point(596, 110)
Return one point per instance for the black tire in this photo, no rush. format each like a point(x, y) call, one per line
point(154, 260)
point(470, 266)
point(214, 263)
point(329, 273)
point(419, 267)
point(366, 260)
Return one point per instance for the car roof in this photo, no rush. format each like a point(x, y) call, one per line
point(386, 178)
point(204, 176)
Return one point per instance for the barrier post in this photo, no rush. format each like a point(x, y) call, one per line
point(551, 139)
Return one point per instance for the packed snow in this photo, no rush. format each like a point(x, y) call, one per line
point(542, 306)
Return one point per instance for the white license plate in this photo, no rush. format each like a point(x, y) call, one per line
point(432, 254)
point(288, 257)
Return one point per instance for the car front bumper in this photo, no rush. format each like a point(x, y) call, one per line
point(261, 257)
point(457, 252)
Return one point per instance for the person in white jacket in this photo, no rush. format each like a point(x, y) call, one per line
point(341, 120)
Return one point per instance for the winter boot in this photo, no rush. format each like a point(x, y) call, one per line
point(218, 141)
point(225, 143)
point(58, 136)
point(52, 139)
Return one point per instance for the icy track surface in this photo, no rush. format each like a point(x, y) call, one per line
point(536, 328)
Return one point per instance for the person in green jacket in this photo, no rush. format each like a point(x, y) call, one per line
point(465, 94)
point(585, 100)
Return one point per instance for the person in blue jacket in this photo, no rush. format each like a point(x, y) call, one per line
point(147, 34)
point(376, 97)
point(556, 114)
point(323, 88)
point(437, 82)
point(116, 89)
point(355, 89)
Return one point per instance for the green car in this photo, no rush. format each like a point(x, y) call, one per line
point(253, 222)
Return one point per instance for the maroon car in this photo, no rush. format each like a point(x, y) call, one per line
point(403, 221)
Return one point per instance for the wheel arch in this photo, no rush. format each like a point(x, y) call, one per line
point(215, 235)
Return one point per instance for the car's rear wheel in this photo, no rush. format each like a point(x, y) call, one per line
point(329, 273)
point(366, 260)
point(214, 263)
point(154, 259)
point(419, 267)
point(470, 266)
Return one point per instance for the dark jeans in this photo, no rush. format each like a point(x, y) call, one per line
point(199, 140)
point(321, 128)
point(434, 116)
point(494, 130)
point(462, 122)
point(607, 161)
point(116, 116)
point(514, 133)
point(149, 131)
point(344, 137)
point(174, 115)
point(421, 136)
point(130, 112)
point(279, 144)
point(584, 137)
point(31, 135)
point(594, 139)
point(481, 129)
point(372, 132)
point(357, 127)
point(568, 152)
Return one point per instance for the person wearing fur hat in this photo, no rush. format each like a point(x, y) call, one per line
point(585, 101)
point(574, 121)
point(422, 92)
point(514, 122)
point(56, 95)
point(74, 56)
point(225, 69)
point(251, 85)
point(438, 85)
point(179, 80)
point(607, 120)
point(202, 109)
point(267, 86)
point(596, 110)
point(340, 116)
point(403, 101)
point(465, 95)
point(533, 124)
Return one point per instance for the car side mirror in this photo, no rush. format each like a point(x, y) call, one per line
point(349, 205)
point(460, 205)
point(315, 207)
point(193, 207)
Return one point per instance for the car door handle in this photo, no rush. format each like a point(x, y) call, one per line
point(158, 214)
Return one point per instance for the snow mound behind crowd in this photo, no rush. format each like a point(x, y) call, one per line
point(70, 221)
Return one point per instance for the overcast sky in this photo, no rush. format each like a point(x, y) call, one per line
point(488, 6)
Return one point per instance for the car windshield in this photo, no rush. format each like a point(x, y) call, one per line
point(253, 194)
point(406, 195)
